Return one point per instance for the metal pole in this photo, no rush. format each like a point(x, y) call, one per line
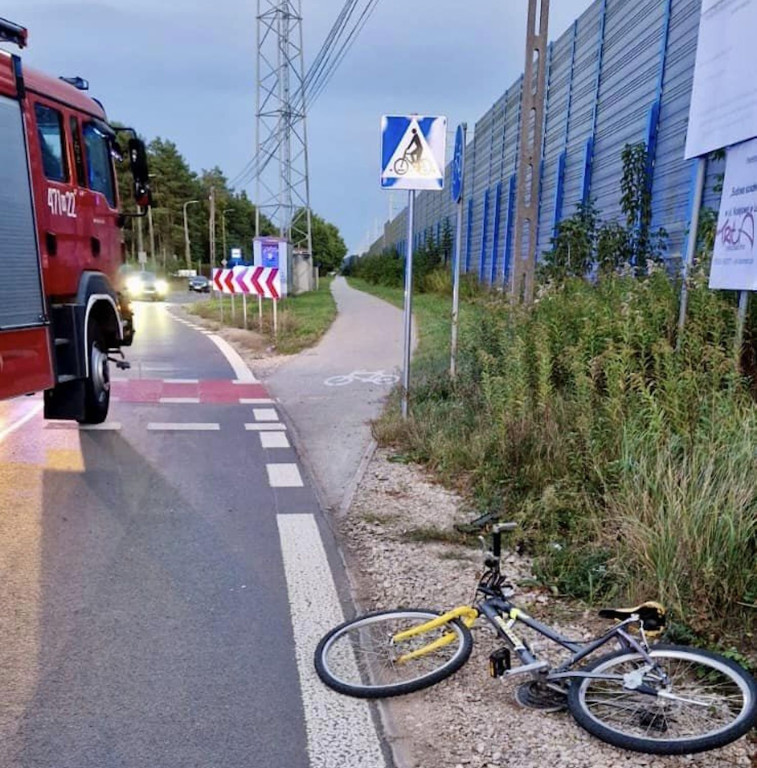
point(260, 313)
point(140, 244)
point(275, 318)
point(244, 309)
point(152, 238)
point(223, 232)
point(691, 246)
point(741, 321)
point(187, 254)
point(456, 289)
point(408, 303)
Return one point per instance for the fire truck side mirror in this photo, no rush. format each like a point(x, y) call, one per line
point(139, 170)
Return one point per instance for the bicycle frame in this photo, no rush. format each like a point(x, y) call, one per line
point(494, 609)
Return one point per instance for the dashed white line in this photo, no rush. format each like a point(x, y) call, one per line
point(241, 371)
point(266, 426)
point(155, 426)
point(284, 476)
point(108, 426)
point(274, 440)
point(20, 423)
point(340, 730)
point(181, 381)
point(256, 401)
point(265, 414)
point(179, 400)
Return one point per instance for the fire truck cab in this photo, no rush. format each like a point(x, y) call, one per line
point(63, 317)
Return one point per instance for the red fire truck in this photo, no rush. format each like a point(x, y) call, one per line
point(63, 318)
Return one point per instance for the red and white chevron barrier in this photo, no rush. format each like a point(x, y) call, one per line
point(258, 281)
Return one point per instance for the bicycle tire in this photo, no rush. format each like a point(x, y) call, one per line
point(365, 670)
point(401, 166)
point(646, 714)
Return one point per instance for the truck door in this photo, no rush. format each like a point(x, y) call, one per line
point(25, 362)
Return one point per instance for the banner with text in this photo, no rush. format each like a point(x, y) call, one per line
point(734, 260)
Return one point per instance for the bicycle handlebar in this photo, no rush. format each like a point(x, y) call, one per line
point(497, 532)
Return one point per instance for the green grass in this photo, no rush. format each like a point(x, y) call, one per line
point(302, 320)
point(628, 465)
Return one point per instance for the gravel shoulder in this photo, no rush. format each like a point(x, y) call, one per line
point(389, 535)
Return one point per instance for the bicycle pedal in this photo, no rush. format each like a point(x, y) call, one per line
point(499, 662)
point(528, 669)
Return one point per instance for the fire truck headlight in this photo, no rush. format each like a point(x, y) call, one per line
point(134, 285)
point(161, 286)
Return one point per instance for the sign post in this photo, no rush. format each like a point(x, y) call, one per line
point(412, 158)
point(458, 169)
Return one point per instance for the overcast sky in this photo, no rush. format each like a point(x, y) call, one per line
point(184, 70)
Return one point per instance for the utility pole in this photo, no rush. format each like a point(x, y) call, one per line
point(531, 133)
point(282, 180)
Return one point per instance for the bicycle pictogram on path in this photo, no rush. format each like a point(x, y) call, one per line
point(379, 378)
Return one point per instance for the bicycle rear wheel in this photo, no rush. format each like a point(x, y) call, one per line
point(359, 658)
point(707, 702)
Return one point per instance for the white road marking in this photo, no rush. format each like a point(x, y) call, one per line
point(178, 400)
point(284, 476)
point(265, 427)
point(108, 426)
point(155, 426)
point(256, 401)
point(340, 730)
point(265, 414)
point(274, 440)
point(120, 379)
point(181, 381)
point(241, 371)
point(20, 423)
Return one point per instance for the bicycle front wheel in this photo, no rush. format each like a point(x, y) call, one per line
point(360, 658)
point(706, 701)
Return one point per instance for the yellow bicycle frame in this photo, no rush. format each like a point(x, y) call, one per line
point(464, 612)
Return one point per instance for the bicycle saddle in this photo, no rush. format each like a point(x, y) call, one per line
point(652, 615)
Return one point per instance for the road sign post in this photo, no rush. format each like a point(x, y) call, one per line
point(458, 169)
point(412, 158)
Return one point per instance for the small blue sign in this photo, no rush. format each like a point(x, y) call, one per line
point(458, 165)
point(412, 152)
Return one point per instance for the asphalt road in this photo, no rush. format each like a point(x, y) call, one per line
point(163, 580)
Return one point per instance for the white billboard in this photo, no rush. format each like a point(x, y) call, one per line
point(734, 259)
point(724, 99)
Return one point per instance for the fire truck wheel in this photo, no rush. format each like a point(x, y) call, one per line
point(97, 386)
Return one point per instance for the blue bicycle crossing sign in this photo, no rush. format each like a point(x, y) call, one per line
point(412, 152)
point(458, 165)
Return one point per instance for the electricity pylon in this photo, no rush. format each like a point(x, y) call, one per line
point(282, 186)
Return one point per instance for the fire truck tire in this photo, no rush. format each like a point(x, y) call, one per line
point(97, 385)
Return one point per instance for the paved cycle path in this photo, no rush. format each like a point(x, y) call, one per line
point(333, 391)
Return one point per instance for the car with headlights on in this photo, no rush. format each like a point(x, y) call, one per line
point(146, 286)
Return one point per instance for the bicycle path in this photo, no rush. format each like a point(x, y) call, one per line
point(332, 423)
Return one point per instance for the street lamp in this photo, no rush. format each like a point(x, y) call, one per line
point(186, 234)
point(223, 230)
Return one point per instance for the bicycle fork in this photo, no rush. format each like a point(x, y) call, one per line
point(499, 661)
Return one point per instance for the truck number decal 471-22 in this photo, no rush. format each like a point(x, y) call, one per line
point(62, 203)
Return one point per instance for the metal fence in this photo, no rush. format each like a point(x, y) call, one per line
point(622, 74)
